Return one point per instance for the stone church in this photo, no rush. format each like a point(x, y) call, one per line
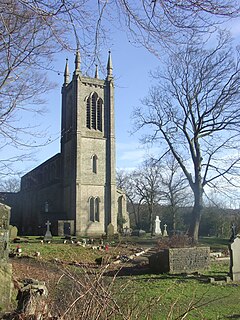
point(76, 189)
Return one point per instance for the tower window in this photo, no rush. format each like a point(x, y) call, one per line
point(94, 164)
point(94, 209)
point(91, 209)
point(94, 112)
point(99, 115)
point(88, 114)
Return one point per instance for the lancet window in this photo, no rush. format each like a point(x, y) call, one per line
point(94, 112)
point(94, 209)
point(94, 164)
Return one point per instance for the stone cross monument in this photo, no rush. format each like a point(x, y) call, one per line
point(165, 233)
point(48, 234)
point(157, 226)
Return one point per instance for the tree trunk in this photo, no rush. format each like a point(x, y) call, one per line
point(196, 214)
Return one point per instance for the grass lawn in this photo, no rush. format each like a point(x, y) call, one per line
point(215, 243)
point(144, 295)
point(177, 294)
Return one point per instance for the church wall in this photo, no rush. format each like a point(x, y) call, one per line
point(77, 186)
point(83, 224)
point(40, 197)
point(89, 148)
point(33, 206)
point(90, 143)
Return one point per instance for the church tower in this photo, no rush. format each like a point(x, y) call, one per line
point(88, 150)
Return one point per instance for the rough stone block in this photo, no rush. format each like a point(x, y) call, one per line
point(180, 260)
point(235, 259)
point(13, 232)
point(5, 286)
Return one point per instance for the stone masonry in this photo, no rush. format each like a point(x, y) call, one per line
point(76, 189)
point(180, 260)
point(5, 267)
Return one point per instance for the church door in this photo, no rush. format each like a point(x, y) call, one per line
point(67, 229)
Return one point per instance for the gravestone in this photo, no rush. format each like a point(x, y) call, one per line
point(157, 230)
point(233, 232)
point(110, 231)
point(138, 233)
point(13, 232)
point(32, 301)
point(5, 266)
point(165, 233)
point(48, 234)
point(234, 249)
point(180, 260)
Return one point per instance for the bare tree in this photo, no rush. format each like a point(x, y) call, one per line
point(126, 182)
point(147, 181)
point(194, 112)
point(164, 21)
point(142, 187)
point(33, 31)
point(10, 185)
point(175, 188)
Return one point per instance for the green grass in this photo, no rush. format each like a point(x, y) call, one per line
point(177, 294)
point(162, 296)
point(57, 250)
point(215, 243)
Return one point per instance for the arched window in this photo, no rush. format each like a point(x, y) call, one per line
point(99, 115)
point(97, 209)
point(94, 210)
point(88, 113)
point(91, 215)
point(120, 206)
point(94, 164)
point(94, 112)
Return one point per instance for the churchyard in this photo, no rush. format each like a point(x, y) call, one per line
point(111, 279)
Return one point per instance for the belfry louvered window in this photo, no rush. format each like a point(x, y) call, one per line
point(99, 115)
point(94, 112)
point(88, 113)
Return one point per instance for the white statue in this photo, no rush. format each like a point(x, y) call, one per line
point(165, 233)
point(157, 226)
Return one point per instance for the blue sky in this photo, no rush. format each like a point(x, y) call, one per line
point(131, 67)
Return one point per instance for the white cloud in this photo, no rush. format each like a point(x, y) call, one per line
point(130, 155)
point(234, 27)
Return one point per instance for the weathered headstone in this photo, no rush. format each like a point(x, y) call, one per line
point(32, 300)
point(180, 260)
point(48, 234)
point(233, 232)
point(110, 231)
point(13, 232)
point(138, 233)
point(165, 233)
point(234, 249)
point(158, 230)
point(5, 266)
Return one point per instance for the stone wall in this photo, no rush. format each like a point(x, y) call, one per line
point(5, 267)
point(180, 260)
